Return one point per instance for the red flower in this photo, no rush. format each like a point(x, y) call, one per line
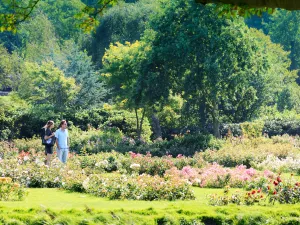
point(268, 187)
point(279, 179)
point(275, 183)
point(297, 184)
point(249, 193)
point(253, 192)
point(274, 193)
point(259, 190)
point(261, 196)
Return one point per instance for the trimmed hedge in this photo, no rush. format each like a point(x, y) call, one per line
point(271, 127)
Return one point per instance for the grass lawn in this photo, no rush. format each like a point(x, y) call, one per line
point(53, 206)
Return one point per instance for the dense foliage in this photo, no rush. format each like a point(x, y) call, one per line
point(199, 73)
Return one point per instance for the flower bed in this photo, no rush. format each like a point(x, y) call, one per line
point(216, 176)
point(142, 187)
point(10, 191)
point(278, 191)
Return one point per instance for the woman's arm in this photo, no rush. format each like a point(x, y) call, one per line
point(49, 134)
point(47, 137)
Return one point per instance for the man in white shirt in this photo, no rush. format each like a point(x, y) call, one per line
point(62, 141)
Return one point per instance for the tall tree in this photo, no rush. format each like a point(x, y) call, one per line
point(223, 66)
point(61, 14)
point(46, 85)
point(284, 29)
point(38, 38)
point(9, 69)
point(124, 22)
point(77, 64)
point(124, 73)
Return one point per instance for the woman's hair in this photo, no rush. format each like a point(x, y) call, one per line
point(48, 124)
point(62, 122)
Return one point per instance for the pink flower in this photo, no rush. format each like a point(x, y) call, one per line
point(268, 174)
point(179, 156)
point(251, 172)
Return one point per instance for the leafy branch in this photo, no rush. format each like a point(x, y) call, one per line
point(15, 12)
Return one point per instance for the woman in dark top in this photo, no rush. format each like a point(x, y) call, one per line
point(48, 136)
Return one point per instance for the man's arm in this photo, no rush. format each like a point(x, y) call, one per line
point(57, 143)
point(56, 135)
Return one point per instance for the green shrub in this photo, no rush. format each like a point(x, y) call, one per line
point(12, 109)
point(26, 145)
point(252, 129)
point(282, 126)
point(10, 191)
point(233, 129)
point(126, 122)
point(94, 141)
point(89, 117)
point(186, 145)
point(248, 152)
point(73, 181)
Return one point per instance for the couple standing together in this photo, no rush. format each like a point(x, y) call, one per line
point(60, 138)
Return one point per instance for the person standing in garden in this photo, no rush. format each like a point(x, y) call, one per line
point(48, 141)
point(62, 141)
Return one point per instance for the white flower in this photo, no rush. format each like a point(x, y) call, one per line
point(26, 158)
point(85, 183)
point(135, 166)
point(198, 181)
point(189, 183)
point(104, 163)
point(38, 162)
point(56, 179)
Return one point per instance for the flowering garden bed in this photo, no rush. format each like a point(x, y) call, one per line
point(151, 190)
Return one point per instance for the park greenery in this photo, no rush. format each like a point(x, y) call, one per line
point(199, 72)
point(179, 112)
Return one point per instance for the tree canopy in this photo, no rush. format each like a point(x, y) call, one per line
point(13, 12)
point(285, 4)
point(178, 63)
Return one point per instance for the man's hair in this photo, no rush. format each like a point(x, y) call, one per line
point(62, 122)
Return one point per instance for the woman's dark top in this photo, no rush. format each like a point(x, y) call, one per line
point(48, 148)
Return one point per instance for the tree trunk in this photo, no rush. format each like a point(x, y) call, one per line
point(202, 115)
point(156, 127)
point(137, 122)
point(216, 122)
point(216, 126)
point(141, 125)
